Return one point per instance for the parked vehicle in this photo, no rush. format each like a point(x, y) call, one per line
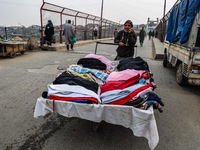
point(182, 44)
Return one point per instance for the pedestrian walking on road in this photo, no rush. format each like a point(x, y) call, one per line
point(49, 32)
point(150, 35)
point(126, 39)
point(69, 35)
point(142, 35)
point(155, 33)
point(95, 31)
point(115, 33)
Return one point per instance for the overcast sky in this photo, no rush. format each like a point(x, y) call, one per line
point(27, 12)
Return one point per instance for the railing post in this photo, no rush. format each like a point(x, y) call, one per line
point(86, 28)
point(61, 39)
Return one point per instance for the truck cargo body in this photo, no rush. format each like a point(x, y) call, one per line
point(185, 56)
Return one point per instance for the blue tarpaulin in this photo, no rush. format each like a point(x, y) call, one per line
point(170, 25)
point(181, 19)
point(175, 23)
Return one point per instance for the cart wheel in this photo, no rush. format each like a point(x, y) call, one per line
point(22, 52)
point(95, 126)
point(180, 78)
point(12, 54)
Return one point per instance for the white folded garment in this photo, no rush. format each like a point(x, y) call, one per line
point(65, 90)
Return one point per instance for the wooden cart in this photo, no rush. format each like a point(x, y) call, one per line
point(10, 48)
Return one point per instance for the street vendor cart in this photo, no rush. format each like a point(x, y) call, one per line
point(105, 103)
point(11, 48)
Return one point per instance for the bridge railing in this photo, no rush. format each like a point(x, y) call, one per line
point(83, 23)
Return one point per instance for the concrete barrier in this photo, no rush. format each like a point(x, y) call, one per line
point(59, 46)
point(158, 48)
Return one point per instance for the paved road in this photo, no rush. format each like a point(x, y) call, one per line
point(24, 78)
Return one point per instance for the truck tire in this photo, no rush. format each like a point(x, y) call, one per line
point(12, 54)
point(22, 52)
point(165, 61)
point(180, 78)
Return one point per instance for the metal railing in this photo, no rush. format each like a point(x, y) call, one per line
point(83, 23)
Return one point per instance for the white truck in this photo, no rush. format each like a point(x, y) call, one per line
point(184, 55)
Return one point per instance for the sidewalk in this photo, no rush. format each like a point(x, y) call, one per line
point(59, 46)
point(158, 48)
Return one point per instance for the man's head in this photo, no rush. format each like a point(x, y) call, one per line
point(142, 28)
point(69, 21)
point(127, 25)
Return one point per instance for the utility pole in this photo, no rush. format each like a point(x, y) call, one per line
point(6, 33)
point(100, 28)
point(163, 23)
point(164, 8)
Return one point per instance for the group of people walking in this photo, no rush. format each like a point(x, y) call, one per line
point(125, 38)
point(153, 34)
point(142, 35)
point(68, 32)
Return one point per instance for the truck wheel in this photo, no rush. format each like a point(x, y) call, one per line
point(12, 54)
point(180, 78)
point(165, 61)
point(22, 52)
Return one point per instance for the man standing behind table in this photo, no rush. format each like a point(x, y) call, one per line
point(69, 35)
point(126, 39)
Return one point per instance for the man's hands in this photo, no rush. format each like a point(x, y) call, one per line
point(121, 44)
point(131, 30)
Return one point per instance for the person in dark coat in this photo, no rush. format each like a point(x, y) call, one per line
point(142, 35)
point(49, 32)
point(156, 33)
point(126, 39)
point(150, 33)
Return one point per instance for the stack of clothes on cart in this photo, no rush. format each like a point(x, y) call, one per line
point(97, 80)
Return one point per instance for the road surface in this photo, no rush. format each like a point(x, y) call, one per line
point(24, 78)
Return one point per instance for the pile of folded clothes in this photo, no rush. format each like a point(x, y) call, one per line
point(97, 80)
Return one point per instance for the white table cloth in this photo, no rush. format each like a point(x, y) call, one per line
point(141, 122)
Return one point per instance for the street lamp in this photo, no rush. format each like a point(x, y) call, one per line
point(6, 33)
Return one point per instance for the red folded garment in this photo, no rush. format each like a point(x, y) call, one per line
point(130, 96)
point(115, 85)
point(53, 97)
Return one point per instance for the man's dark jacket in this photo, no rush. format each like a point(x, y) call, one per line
point(126, 51)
